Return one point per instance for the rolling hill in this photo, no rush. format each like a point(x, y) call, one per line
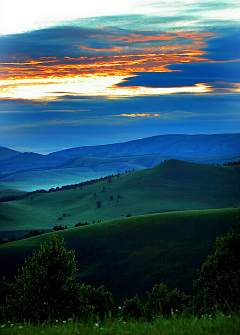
point(170, 186)
point(130, 255)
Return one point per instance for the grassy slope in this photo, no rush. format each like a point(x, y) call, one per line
point(170, 186)
point(130, 255)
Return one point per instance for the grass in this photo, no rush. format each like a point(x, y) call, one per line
point(221, 325)
point(170, 186)
point(130, 255)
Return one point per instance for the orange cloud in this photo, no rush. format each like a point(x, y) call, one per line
point(118, 49)
point(141, 38)
point(146, 57)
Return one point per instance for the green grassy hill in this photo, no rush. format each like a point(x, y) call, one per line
point(170, 186)
point(130, 255)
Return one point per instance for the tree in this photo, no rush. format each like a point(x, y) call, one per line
point(44, 287)
point(218, 286)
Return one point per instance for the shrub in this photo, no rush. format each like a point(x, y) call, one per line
point(100, 300)
point(158, 302)
point(162, 302)
point(132, 309)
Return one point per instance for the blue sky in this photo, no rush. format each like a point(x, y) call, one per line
point(73, 76)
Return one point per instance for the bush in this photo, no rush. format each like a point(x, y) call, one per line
point(132, 309)
point(158, 302)
point(162, 302)
point(100, 300)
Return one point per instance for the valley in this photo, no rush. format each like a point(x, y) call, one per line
point(154, 218)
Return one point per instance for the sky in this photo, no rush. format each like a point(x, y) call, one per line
point(97, 72)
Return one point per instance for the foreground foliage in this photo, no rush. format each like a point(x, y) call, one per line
point(218, 286)
point(221, 325)
point(45, 290)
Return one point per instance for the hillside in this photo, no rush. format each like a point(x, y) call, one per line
point(76, 170)
point(130, 255)
point(171, 186)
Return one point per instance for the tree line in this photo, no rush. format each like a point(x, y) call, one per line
point(57, 189)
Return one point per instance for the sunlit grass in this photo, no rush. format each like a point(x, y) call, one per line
point(207, 325)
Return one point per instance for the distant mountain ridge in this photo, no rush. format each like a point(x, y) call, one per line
point(6, 153)
point(28, 160)
point(183, 145)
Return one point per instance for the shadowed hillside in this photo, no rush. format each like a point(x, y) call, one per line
point(171, 186)
point(130, 255)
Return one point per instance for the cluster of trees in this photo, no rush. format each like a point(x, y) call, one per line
point(80, 224)
point(231, 163)
point(45, 289)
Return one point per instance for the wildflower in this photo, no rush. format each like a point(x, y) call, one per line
point(119, 307)
point(9, 322)
point(64, 321)
point(20, 327)
point(2, 326)
point(96, 324)
point(176, 310)
point(56, 320)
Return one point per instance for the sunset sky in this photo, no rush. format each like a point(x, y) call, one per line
point(76, 73)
